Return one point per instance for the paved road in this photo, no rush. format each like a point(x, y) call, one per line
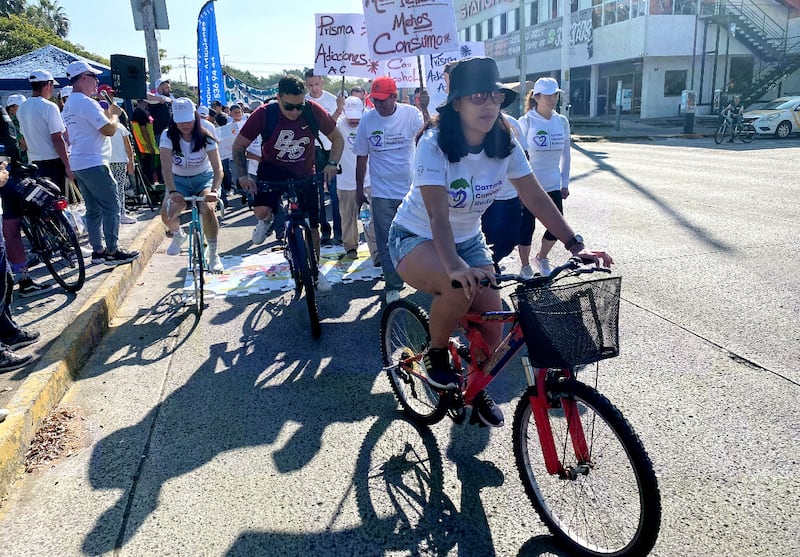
point(239, 435)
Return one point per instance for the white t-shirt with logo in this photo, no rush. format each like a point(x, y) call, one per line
point(508, 191)
point(38, 120)
point(226, 135)
point(472, 185)
point(548, 148)
point(188, 162)
point(84, 117)
point(347, 179)
point(118, 152)
point(389, 142)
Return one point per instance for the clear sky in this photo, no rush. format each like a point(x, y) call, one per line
point(260, 36)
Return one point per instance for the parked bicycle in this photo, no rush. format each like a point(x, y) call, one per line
point(50, 233)
point(298, 245)
point(744, 131)
point(583, 466)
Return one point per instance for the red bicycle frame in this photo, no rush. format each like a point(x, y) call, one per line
point(485, 364)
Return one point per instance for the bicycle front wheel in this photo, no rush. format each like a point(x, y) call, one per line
point(721, 133)
point(747, 134)
point(59, 249)
point(198, 271)
point(404, 337)
point(303, 268)
point(608, 506)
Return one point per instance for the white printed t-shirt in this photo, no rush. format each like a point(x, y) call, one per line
point(507, 190)
point(548, 148)
point(84, 117)
point(389, 142)
point(226, 135)
point(187, 162)
point(347, 179)
point(39, 119)
point(472, 185)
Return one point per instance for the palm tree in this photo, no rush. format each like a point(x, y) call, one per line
point(50, 15)
point(12, 7)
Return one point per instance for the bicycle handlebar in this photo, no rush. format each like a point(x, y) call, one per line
point(575, 265)
point(283, 186)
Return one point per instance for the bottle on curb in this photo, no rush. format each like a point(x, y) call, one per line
point(364, 214)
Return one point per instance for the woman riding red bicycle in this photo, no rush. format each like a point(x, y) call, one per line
point(435, 238)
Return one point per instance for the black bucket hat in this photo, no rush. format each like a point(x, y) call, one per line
point(477, 74)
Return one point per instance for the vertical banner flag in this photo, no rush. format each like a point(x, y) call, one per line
point(434, 73)
point(342, 48)
point(210, 86)
point(399, 28)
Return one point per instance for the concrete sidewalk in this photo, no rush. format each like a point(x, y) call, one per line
point(71, 326)
point(633, 129)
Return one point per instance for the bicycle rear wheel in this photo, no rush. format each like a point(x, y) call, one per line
point(404, 337)
point(747, 133)
point(612, 505)
point(303, 268)
point(58, 248)
point(198, 273)
point(722, 131)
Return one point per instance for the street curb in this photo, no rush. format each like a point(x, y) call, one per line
point(43, 389)
point(580, 138)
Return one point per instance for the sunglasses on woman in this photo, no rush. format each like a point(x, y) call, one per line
point(480, 98)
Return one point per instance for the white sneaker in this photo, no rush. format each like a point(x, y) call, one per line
point(392, 296)
point(87, 252)
point(526, 272)
point(4, 412)
point(544, 266)
point(322, 283)
point(125, 219)
point(177, 241)
point(212, 260)
point(261, 231)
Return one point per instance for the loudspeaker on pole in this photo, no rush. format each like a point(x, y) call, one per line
point(128, 77)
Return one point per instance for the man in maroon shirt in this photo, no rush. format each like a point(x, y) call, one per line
point(287, 153)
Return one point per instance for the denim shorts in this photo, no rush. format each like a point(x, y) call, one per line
point(474, 251)
point(193, 185)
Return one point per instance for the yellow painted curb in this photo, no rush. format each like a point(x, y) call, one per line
point(39, 394)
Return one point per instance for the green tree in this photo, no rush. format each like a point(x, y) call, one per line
point(12, 7)
point(19, 36)
point(48, 14)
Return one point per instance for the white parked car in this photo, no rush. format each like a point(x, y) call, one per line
point(780, 117)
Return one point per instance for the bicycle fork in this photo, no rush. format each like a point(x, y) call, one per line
point(540, 404)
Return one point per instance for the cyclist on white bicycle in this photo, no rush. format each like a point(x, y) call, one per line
point(462, 156)
point(734, 112)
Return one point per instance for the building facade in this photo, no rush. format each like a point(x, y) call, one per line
point(642, 54)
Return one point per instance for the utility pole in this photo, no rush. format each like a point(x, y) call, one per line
point(185, 75)
point(150, 41)
point(566, 49)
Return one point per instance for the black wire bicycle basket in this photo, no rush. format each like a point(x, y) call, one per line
point(570, 324)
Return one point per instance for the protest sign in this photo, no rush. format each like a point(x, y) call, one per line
point(402, 28)
point(434, 69)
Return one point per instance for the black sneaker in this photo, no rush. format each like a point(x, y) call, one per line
point(10, 361)
point(486, 412)
point(120, 257)
point(28, 288)
point(98, 257)
point(22, 339)
point(440, 372)
point(326, 242)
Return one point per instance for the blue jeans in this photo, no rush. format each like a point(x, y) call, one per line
point(383, 212)
point(99, 191)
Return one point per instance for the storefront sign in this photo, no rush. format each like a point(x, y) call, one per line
point(542, 37)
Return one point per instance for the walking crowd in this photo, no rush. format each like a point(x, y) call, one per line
point(449, 193)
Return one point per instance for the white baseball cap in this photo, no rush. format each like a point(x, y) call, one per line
point(182, 110)
point(15, 100)
point(66, 91)
point(41, 75)
point(546, 86)
point(353, 108)
point(79, 67)
point(160, 81)
point(202, 110)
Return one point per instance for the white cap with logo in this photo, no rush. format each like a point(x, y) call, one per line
point(353, 108)
point(182, 110)
point(41, 75)
point(15, 100)
point(79, 67)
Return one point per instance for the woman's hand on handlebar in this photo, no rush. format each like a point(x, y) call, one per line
point(598, 257)
point(470, 278)
point(212, 196)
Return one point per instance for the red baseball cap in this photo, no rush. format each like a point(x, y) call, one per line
point(383, 87)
